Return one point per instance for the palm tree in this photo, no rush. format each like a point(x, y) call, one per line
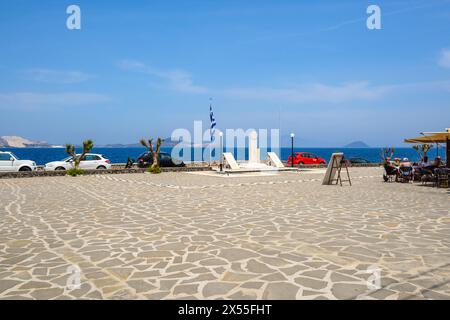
point(88, 145)
point(155, 153)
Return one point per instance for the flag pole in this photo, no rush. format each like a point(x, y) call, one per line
point(210, 131)
point(210, 152)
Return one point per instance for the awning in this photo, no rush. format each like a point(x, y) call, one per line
point(434, 137)
point(431, 137)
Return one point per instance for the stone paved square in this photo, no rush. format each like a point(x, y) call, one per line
point(197, 236)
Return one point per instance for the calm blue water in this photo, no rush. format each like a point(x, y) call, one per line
point(120, 155)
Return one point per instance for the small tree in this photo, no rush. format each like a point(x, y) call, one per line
point(387, 153)
point(70, 150)
point(155, 153)
point(422, 149)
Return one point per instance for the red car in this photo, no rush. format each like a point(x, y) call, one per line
point(306, 158)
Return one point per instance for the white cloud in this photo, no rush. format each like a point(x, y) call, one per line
point(347, 92)
point(444, 59)
point(34, 101)
point(311, 93)
point(181, 81)
point(56, 76)
point(177, 80)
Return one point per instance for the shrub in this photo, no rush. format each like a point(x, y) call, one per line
point(74, 172)
point(154, 170)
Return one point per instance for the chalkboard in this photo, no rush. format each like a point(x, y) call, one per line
point(332, 168)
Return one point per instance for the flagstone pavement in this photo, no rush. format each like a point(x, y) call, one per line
point(197, 236)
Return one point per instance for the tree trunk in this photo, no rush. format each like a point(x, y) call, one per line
point(155, 163)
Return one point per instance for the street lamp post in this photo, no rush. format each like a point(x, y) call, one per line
point(292, 149)
point(221, 150)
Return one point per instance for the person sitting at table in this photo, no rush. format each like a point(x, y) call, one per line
point(405, 163)
point(433, 165)
point(423, 167)
point(429, 169)
point(406, 170)
point(437, 162)
point(424, 162)
point(390, 168)
point(396, 162)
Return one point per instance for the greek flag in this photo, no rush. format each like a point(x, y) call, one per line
point(213, 122)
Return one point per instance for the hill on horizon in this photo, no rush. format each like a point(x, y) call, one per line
point(19, 142)
point(357, 144)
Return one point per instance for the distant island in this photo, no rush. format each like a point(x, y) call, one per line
point(19, 142)
point(121, 145)
point(167, 142)
point(357, 144)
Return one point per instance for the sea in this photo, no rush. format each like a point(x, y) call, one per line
point(120, 155)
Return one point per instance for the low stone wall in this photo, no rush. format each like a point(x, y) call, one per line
point(120, 166)
point(357, 165)
point(114, 170)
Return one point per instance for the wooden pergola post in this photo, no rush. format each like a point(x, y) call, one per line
point(448, 153)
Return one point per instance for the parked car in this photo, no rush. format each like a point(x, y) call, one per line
point(90, 161)
point(10, 162)
point(358, 160)
point(306, 158)
point(165, 160)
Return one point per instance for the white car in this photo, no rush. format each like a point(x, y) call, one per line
point(10, 162)
point(90, 161)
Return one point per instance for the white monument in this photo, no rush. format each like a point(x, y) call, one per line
point(254, 158)
point(254, 161)
point(253, 154)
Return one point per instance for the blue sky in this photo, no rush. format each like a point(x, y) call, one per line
point(144, 68)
